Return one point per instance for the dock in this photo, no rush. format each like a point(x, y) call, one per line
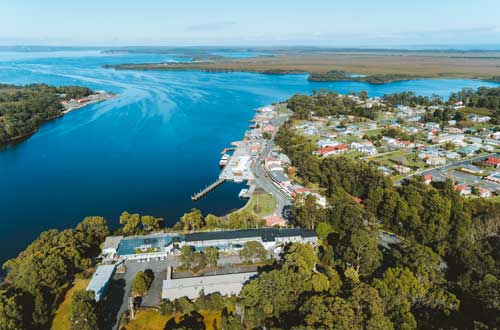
point(207, 189)
point(225, 150)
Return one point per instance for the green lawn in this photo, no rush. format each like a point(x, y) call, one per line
point(152, 320)
point(266, 203)
point(61, 320)
point(477, 111)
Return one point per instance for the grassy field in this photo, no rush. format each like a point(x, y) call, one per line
point(476, 111)
point(266, 202)
point(61, 320)
point(153, 320)
point(414, 64)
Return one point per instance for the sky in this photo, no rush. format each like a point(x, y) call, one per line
point(359, 23)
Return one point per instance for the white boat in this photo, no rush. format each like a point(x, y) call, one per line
point(224, 160)
point(243, 193)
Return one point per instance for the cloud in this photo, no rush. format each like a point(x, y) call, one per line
point(214, 26)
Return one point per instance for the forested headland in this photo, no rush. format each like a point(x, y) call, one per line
point(23, 109)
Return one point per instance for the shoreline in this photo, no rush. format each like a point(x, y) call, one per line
point(21, 138)
point(371, 78)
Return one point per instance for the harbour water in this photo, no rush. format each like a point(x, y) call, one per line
point(146, 151)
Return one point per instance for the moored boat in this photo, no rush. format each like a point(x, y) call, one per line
point(224, 160)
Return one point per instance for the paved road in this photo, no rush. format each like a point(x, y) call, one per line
point(445, 168)
point(132, 267)
point(263, 180)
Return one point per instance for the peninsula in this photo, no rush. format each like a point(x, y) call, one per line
point(23, 109)
point(372, 66)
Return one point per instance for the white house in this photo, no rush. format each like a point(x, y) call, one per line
point(435, 160)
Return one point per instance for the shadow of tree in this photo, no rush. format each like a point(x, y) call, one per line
point(111, 305)
point(193, 321)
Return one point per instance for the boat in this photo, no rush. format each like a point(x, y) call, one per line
point(224, 160)
point(243, 193)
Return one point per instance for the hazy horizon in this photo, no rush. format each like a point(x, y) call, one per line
point(386, 23)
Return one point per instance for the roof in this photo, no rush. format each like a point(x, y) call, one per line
point(279, 176)
point(112, 242)
point(100, 280)
point(190, 287)
point(273, 220)
point(266, 234)
point(493, 160)
point(128, 245)
point(333, 148)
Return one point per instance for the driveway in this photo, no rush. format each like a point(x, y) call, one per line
point(132, 267)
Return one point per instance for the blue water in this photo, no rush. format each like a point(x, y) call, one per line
point(240, 54)
point(146, 151)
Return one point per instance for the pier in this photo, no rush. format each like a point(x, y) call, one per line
point(207, 189)
point(225, 150)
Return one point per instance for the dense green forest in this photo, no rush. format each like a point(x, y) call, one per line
point(325, 103)
point(23, 109)
point(40, 275)
point(337, 75)
point(444, 274)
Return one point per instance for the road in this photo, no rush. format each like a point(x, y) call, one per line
point(445, 168)
point(263, 180)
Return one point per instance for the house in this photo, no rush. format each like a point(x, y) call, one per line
point(484, 193)
point(269, 128)
point(435, 160)
point(275, 167)
point(452, 155)
point(428, 178)
point(365, 147)
point(335, 150)
point(110, 246)
point(401, 144)
point(492, 161)
point(358, 201)
point(298, 190)
point(191, 287)
point(384, 170)
point(463, 189)
point(475, 140)
point(431, 125)
point(467, 151)
point(402, 169)
point(275, 221)
point(493, 177)
point(254, 150)
point(280, 178)
point(327, 143)
point(453, 138)
point(492, 142)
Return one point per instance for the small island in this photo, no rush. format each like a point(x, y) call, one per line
point(24, 109)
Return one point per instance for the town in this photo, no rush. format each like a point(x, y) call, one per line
point(397, 141)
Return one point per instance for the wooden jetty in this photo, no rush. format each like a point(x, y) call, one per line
point(207, 189)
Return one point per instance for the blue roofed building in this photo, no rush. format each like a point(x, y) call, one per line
point(148, 246)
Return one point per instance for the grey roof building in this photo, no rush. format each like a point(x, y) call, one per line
point(226, 285)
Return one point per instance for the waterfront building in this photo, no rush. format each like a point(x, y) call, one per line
point(270, 238)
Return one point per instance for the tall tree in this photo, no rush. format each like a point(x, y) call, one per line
point(83, 311)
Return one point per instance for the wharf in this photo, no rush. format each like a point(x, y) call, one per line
point(207, 189)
